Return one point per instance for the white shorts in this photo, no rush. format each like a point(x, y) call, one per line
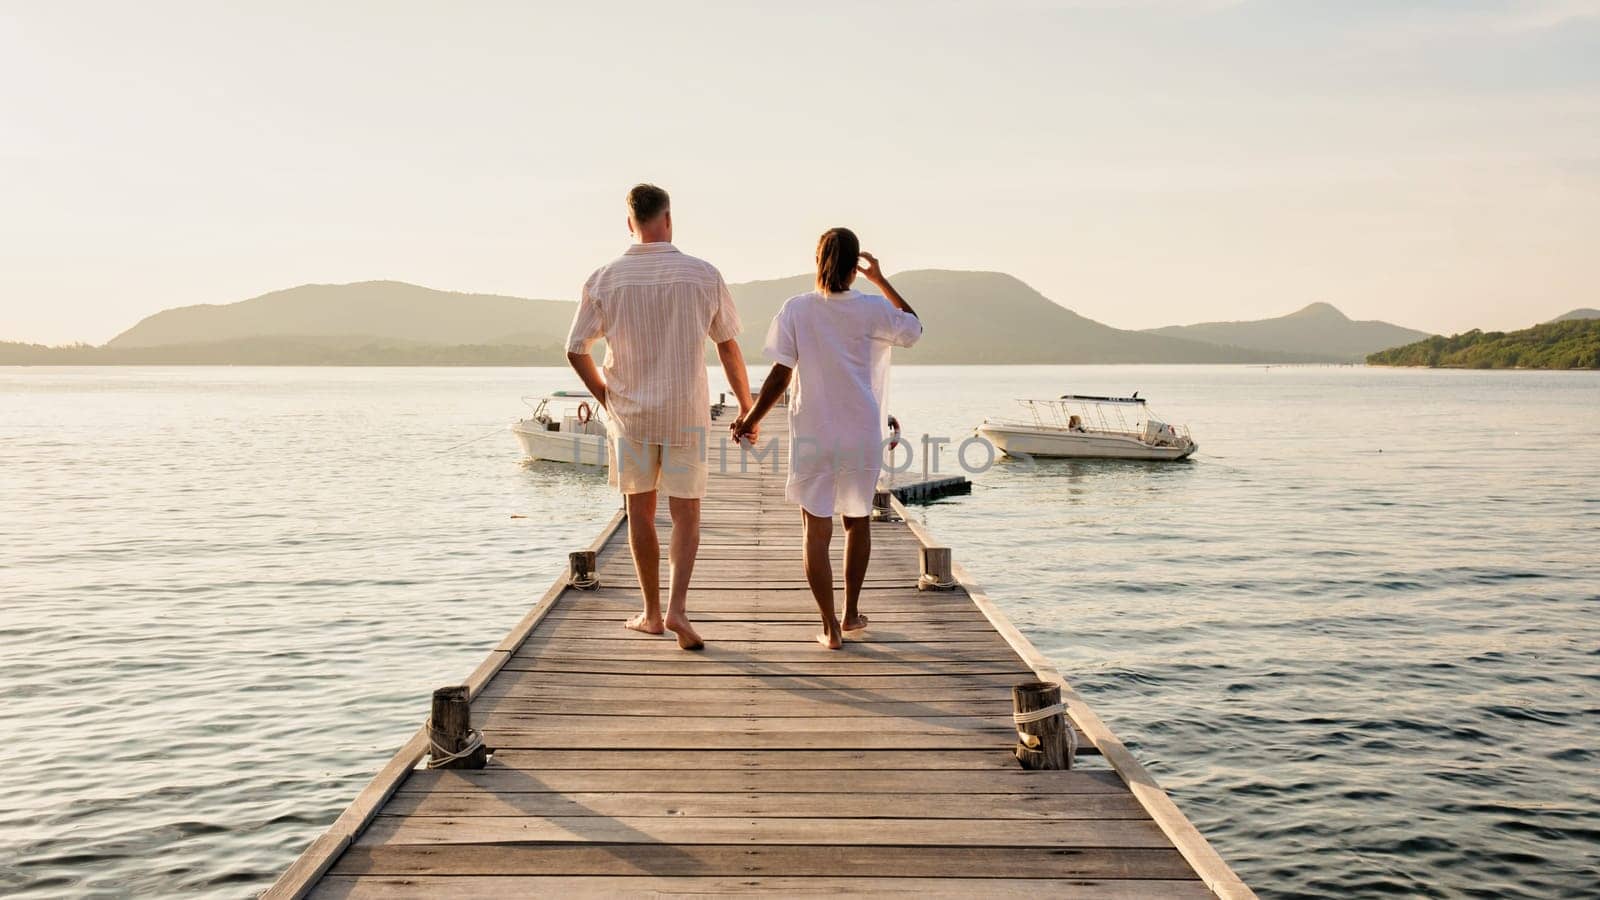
point(637, 468)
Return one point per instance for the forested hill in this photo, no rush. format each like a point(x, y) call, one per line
point(1570, 344)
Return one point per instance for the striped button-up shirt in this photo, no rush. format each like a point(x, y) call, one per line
point(655, 307)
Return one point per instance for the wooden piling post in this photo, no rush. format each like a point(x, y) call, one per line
point(454, 744)
point(582, 570)
point(937, 570)
point(882, 507)
point(1044, 737)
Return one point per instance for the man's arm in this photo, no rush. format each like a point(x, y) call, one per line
point(777, 382)
point(589, 374)
point(588, 326)
point(738, 374)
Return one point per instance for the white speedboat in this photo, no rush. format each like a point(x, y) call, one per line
point(566, 426)
point(1082, 427)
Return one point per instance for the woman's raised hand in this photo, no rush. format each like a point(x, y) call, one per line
point(869, 268)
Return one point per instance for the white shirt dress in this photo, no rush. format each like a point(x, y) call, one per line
point(838, 345)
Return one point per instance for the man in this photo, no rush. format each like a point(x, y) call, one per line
point(655, 307)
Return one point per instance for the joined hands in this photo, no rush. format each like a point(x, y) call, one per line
point(744, 429)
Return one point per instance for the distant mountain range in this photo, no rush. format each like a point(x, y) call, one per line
point(971, 317)
point(993, 318)
point(366, 311)
point(1317, 330)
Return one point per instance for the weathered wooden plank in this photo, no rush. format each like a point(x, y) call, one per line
point(473, 887)
point(796, 652)
point(509, 735)
point(510, 718)
point(779, 566)
point(824, 665)
point(797, 698)
point(861, 772)
point(698, 804)
point(865, 685)
point(882, 633)
point(902, 610)
point(880, 638)
point(738, 582)
point(535, 733)
point(777, 556)
point(436, 830)
point(611, 615)
point(824, 860)
point(630, 704)
point(627, 591)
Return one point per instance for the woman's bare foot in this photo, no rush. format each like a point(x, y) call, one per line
point(643, 622)
point(855, 623)
point(830, 636)
point(688, 638)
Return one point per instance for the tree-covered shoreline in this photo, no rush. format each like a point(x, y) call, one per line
point(1573, 344)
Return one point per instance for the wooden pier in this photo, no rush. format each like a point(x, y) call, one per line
point(624, 766)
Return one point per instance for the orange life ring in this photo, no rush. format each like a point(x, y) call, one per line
point(584, 413)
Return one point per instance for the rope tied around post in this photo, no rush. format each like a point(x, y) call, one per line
point(452, 741)
point(582, 570)
point(1045, 737)
point(1031, 741)
point(938, 570)
point(439, 757)
point(1038, 715)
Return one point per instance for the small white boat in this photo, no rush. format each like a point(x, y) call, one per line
point(1082, 427)
point(566, 426)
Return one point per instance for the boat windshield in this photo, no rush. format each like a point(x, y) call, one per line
point(565, 404)
point(1105, 415)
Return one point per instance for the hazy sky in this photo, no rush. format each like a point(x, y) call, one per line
point(1436, 164)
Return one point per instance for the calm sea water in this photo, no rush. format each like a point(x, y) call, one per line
point(1357, 637)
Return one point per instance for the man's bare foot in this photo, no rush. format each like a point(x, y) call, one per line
point(688, 638)
point(830, 636)
point(643, 622)
point(855, 623)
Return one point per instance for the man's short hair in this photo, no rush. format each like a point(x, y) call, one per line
point(646, 201)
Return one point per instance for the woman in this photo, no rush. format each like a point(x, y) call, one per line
point(838, 340)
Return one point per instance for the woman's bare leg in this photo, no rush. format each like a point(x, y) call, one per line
point(857, 553)
point(819, 574)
